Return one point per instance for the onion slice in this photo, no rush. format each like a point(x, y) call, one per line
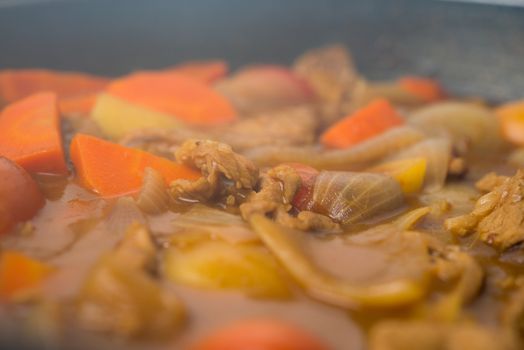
point(356, 157)
point(325, 287)
point(124, 213)
point(464, 123)
point(215, 223)
point(153, 197)
point(350, 197)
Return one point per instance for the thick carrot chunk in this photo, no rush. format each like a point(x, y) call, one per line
point(19, 83)
point(428, 90)
point(110, 169)
point(30, 134)
point(77, 105)
point(511, 116)
point(20, 274)
point(204, 71)
point(175, 94)
point(260, 334)
point(369, 121)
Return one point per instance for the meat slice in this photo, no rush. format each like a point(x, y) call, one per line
point(225, 173)
point(490, 181)
point(498, 216)
point(277, 189)
point(121, 295)
point(294, 126)
point(162, 142)
point(333, 76)
point(287, 127)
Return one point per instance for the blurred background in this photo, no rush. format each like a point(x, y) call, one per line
point(473, 47)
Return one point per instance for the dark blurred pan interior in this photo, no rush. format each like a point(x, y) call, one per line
point(473, 48)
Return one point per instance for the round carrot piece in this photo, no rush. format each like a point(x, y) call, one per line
point(260, 334)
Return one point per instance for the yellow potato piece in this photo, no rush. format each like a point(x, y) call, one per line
point(117, 117)
point(216, 265)
point(409, 173)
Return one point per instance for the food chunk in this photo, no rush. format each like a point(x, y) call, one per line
point(427, 335)
point(117, 117)
point(260, 88)
point(20, 275)
point(174, 94)
point(204, 71)
point(224, 172)
point(331, 73)
point(498, 216)
point(287, 126)
point(110, 169)
point(266, 334)
point(218, 265)
point(30, 134)
point(409, 173)
point(20, 197)
point(290, 126)
point(16, 84)
point(366, 123)
point(121, 297)
point(275, 196)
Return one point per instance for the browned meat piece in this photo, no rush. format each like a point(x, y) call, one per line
point(457, 167)
point(332, 74)
point(160, 141)
point(287, 127)
point(452, 264)
point(225, 173)
point(121, 297)
point(498, 216)
point(277, 189)
point(490, 181)
point(295, 126)
point(427, 335)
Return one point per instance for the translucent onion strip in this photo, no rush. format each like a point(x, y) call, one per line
point(215, 223)
point(325, 287)
point(153, 197)
point(349, 197)
point(462, 122)
point(124, 213)
point(356, 157)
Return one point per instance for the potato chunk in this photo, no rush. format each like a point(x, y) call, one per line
point(218, 265)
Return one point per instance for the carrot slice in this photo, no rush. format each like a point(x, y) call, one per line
point(20, 197)
point(20, 274)
point(428, 90)
point(19, 83)
point(30, 134)
point(175, 94)
point(110, 169)
point(369, 121)
point(204, 71)
point(511, 116)
point(78, 104)
point(260, 334)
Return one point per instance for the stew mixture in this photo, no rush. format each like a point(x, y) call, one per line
point(298, 208)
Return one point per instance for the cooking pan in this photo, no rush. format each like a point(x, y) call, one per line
point(474, 49)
